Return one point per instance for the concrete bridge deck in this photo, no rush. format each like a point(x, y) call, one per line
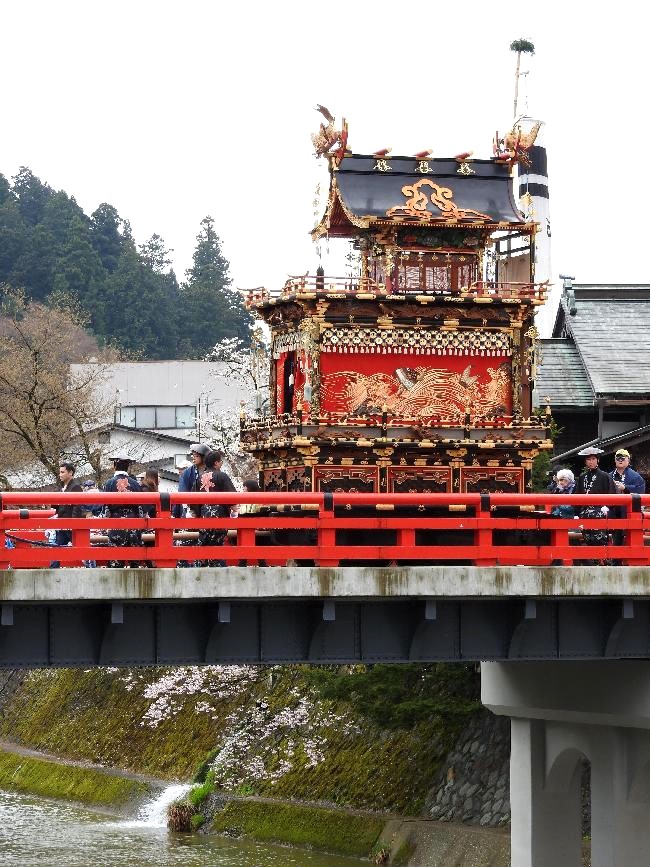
point(85, 617)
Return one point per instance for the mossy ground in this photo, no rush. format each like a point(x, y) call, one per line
point(91, 715)
point(100, 715)
point(87, 786)
point(326, 830)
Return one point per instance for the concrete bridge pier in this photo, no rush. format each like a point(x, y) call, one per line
point(564, 713)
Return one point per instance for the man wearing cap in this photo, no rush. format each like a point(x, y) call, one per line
point(594, 481)
point(122, 482)
point(626, 481)
point(189, 478)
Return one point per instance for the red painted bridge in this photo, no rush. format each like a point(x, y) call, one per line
point(335, 529)
point(326, 578)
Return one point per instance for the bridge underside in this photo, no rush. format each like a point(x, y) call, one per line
point(89, 617)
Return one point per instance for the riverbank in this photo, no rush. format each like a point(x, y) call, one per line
point(85, 783)
point(353, 833)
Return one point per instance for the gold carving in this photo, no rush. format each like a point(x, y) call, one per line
point(441, 198)
point(419, 392)
point(423, 167)
point(465, 169)
point(382, 165)
point(423, 341)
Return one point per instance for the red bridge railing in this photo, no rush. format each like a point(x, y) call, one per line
point(333, 529)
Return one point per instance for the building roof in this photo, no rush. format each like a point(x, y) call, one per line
point(362, 194)
point(562, 376)
point(610, 328)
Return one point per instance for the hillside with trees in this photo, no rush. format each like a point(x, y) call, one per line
point(51, 250)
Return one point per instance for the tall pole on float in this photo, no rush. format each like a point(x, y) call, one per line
point(521, 46)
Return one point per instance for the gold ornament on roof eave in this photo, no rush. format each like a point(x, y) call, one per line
point(418, 341)
point(441, 197)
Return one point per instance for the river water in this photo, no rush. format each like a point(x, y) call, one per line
point(35, 832)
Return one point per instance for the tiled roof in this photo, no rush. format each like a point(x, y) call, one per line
point(562, 376)
point(610, 326)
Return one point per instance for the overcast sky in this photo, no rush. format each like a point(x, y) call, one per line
point(170, 111)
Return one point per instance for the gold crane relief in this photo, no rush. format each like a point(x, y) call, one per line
point(442, 198)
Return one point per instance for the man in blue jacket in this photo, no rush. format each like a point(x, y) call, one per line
point(188, 479)
point(626, 481)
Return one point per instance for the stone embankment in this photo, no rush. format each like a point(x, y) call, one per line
point(474, 783)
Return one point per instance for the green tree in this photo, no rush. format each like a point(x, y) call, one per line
point(34, 267)
point(155, 255)
point(32, 195)
point(210, 309)
point(78, 273)
point(105, 235)
point(12, 230)
point(141, 307)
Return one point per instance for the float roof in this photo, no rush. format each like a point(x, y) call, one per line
point(367, 191)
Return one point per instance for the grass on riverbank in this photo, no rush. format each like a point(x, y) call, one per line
point(85, 785)
point(326, 830)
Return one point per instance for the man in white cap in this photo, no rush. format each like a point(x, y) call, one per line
point(593, 481)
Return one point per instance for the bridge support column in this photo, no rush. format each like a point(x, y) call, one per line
point(545, 826)
point(564, 714)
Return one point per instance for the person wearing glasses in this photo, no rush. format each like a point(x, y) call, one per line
point(626, 481)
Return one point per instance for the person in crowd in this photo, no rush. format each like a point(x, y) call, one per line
point(564, 484)
point(149, 481)
point(626, 481)
point(213, 480)
point(251, 486)
point(188, 479)
point(67, 484)
point(594, 481)
point(93, 510)
point(122, 482)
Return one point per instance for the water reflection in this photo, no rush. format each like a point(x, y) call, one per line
point(37, 833)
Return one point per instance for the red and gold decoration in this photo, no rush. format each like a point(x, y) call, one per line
point(417, 374)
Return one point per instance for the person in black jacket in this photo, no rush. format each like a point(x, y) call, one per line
point(68, 485)
point(213, 480)
point(594, 481)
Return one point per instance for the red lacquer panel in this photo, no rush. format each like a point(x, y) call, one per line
point(412, 385)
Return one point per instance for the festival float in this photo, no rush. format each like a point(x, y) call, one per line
point(416, 373)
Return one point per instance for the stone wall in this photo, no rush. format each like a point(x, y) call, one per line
point(474, 784)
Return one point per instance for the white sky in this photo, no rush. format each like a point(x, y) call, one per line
point(170, 111)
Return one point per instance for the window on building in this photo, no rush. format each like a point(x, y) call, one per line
point(156, 417)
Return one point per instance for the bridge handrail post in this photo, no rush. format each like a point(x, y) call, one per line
point(326, 536)
point(633, 532)
point(80, 539)
point(163, 537)
point(4, 563)
point(483, 535)
point(247, 537)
